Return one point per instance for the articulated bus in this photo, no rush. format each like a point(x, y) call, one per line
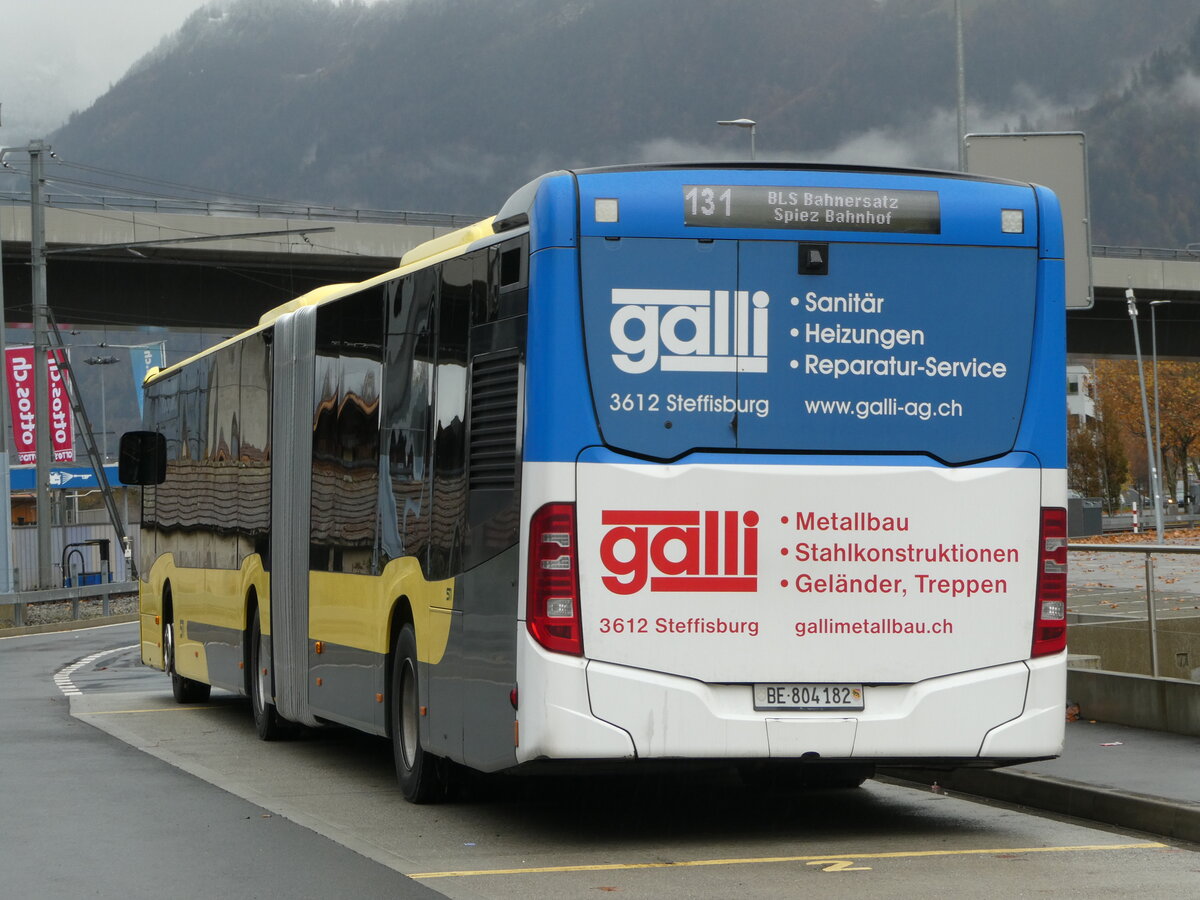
point(755, 465)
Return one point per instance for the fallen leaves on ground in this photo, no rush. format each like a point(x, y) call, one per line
point(1173, 536)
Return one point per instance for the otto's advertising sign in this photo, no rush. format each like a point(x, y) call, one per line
point(20, 373)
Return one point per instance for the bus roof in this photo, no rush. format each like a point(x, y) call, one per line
point(433, 251)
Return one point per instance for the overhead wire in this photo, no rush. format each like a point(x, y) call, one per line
point(143, 179)
point(128, 176)
point(64, 187)
point(230, 196)
point(204, 192)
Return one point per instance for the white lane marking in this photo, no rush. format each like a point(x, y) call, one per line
point(62, 678)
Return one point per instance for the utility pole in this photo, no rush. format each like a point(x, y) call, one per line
point(6, 569)
point(41, 345)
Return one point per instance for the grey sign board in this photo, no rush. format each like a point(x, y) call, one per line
point(1057, 160)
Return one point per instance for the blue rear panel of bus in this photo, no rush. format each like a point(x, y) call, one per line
point(714, 337)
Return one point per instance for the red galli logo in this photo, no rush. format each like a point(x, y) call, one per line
point(680, 551)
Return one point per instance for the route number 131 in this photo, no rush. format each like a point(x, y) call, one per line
point(704, 201)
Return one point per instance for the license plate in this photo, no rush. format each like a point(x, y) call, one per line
point(808, 696)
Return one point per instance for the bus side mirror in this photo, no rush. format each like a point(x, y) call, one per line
point(143, 458)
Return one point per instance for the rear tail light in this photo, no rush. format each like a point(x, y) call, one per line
point(1050, 615)
point(552, 601)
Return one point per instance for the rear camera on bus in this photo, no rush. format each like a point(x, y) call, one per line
point(814, 259)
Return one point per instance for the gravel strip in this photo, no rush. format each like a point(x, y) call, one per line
point(93, 608)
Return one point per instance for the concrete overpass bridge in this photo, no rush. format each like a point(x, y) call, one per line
point(225, 282)
point(219, 266)
point(1171, 275)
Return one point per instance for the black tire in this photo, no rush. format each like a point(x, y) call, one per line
point(185, 690)
point(267, 722)
point(420, 774)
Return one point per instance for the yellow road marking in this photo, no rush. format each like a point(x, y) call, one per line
point(899, 854)
point(126, 712)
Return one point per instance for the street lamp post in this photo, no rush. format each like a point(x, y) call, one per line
point(1131, 308)
point(742, 123)
point(1154, 368)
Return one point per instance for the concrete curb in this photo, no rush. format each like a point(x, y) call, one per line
point(1155, 815)
point(69, 625)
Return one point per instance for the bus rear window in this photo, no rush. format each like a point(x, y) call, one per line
point(746, 344)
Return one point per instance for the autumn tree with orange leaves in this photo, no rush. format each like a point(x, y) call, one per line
point(1097, 464)
point(1179, 411)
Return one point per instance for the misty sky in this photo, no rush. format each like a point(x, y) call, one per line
point(57, 56)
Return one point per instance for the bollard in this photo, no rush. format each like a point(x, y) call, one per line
point(1151, 618)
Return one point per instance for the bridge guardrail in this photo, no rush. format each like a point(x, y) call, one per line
point(280, 210)
point(1186, 254)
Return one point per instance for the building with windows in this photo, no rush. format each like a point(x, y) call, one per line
point(1081, 394)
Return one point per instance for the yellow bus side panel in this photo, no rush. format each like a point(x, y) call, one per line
point(208, 596)
point(356, 610)
point(150, 624)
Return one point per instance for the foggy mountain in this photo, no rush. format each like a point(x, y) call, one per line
point(450, 105)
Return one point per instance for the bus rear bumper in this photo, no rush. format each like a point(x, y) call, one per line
point(1039, 730)
point(1002, 713)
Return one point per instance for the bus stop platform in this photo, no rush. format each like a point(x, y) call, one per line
point(1131, 778)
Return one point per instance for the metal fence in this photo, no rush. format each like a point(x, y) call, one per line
point(1140, 616)
point(16, 605)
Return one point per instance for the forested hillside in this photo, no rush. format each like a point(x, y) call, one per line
point(449, 105)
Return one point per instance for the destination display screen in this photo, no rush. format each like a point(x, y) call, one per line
point(811, 208)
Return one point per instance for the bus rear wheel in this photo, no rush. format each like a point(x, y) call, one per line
point(267, 722)
point(420, 774)
point(185, 690)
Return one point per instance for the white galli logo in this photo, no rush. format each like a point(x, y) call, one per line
point(689, 331)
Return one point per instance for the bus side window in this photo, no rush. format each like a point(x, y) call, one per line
point(404, 497)
point(500, 276)
point(510, 279)
point(450, 437)
point(162, 415)
point(345, 473)
point(220, 521)
point(254, 447)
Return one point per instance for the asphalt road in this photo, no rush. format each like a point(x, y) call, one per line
point(135, 796)
point(85, 815)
